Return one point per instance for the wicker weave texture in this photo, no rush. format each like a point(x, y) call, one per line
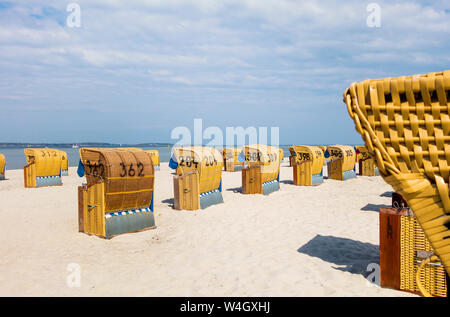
point(405, 125)
point(154, 154)
point(47, 161)
point(346, 153)
point(412, 240)
point(268, 157)
point(207, 161)
point(309, 153)
point(128, 176)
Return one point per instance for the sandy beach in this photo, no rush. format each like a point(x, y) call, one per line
point(298, 241)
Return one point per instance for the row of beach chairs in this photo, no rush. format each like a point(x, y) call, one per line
point(404, 123)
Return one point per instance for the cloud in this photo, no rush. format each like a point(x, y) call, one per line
point(239, 55)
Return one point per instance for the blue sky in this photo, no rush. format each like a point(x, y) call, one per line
point(135, 70)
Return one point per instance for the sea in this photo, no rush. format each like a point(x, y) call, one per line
point(15, 157)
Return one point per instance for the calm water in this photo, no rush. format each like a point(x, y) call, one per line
point(15, 158)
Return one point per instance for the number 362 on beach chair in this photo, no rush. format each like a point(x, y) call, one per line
point(118, 196)
point(198, 183)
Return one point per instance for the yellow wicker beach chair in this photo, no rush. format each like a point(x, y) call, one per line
point(324, 149)
point(118, 196)
point(405, 125)
point(308, 164)
point(230, 158)
point(365, 161)
point(44, 167)
point(263, 173)
point(342, 162)
point(198, 183)
point(155, 158)
point(2, 166)
point(64, 163)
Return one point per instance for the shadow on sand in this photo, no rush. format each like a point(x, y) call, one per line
point(375, 207)
point(235, 190)
point(349, 255)
point(170, 202)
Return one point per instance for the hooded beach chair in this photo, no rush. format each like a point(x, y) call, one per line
point(118, 195)
point(307, 165)
point(43, 169)
point(64, 163)
point(324, 149)
point(2, 167)
point(198, 180)
point(231, 162)
point(405, 124)
point(154, 154)
point(341, 165)
point(365, 161)
point(262, 174)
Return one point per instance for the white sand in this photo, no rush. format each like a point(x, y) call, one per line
point(248, 246)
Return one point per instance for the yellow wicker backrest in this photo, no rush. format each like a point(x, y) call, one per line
point(266, 156)
point(128, 176)
point(2, 164)
point(154, 154)
point(207, 161)
point(47, 161)
point(405, 125)
point(309, 153)
point(345, 152)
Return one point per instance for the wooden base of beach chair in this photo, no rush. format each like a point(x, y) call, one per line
point(229, 166)
point(303, 175)
point(251, 180)
point(232, 167)
point(93, 220)
point(292, 161)
point(335, 171)
point(403, 246)
point(33, 181)
point(367, 167)
point(186, 191)
point(187, 194)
